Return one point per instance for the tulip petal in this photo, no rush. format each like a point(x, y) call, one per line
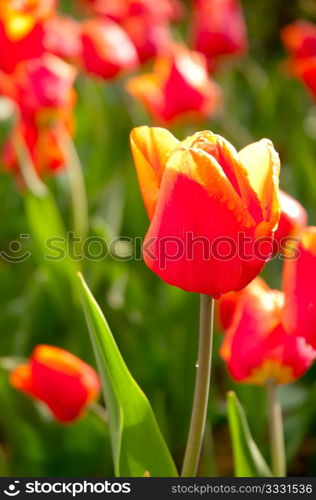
point(263, 167)
point(151, 148)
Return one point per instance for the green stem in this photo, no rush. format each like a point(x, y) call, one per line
point(76, 183)
point(276, 432)
point(202, 385)
point(27, 168)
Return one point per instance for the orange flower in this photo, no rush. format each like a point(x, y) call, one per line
point(209, 208)
point(106, 49)
point(292, 220)
point(299, 39)
point(299, 277)
point(219, 28)
point(178, 86)
point(256, 347)
point(58, 378)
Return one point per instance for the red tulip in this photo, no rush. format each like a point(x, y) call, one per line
point(21, 38)
point(292, 220)
point(42, 85)
point(203, 198)
point(256, 348)
point(228, 302)
point(106, 48)
point(299, 39)
point(219, 28)
point(179, 86)
point(42, 144)
point(299, 277)
point(59, 379)
point(150, 38)
point(162, 10)
point(62, 37)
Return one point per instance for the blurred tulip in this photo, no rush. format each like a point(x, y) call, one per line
point(42, 145)
point(58, 378)
point(178, 86)
point(299, 39)
point(292, 220)
point(162, 10)
point(228, 302)
point(38, 8)
point(219, 28)
point(42, 86)
point(21, 38)
point(203, 198)
point(106, 49)
point(299, 277)
point(150, 39)
point(62, 37)
point(256, 348)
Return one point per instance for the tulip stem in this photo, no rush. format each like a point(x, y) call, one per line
point(76, 182)
point(276, 431)
point(202, 386)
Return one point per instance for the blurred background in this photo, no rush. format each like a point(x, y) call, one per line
point(155, 325)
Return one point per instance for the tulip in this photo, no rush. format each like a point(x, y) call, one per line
point(257, 349)
point(299, 276)
point(229, 301)
point(293, 219)
point(205, 201)
point(219, 28)
point(42, 86)
point(59, 379)
point(179, 86)
point(106, 49)
point(299, 39)
point(62, 37)
point(164, 10)
point(21, 38)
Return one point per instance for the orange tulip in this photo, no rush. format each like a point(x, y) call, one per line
point(106, 48)
point(219, 28)
point(299, 277)
point(179, 86)
point(210, 208)
point(299, 39)
point(59, 379)
point(292, 220)
point(256, 348)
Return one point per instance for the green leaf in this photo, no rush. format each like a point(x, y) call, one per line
point(137, 443)
point(50, 239)
point(248, 461)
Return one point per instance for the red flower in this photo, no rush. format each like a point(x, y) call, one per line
point(58, 378)
point(202, 198)
point(21, 38)
point(219, 28)
point(106, 48)
point(42, 85)
point(163, 10)
point(256, 346)
point(178, 86)
point(42, 144)
point(292, 220)
point(299, 39)
point(62, 37)
point(299, 277)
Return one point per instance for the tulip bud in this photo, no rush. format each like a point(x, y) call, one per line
point(59, 379)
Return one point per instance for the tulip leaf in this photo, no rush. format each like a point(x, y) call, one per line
point(50, 239)
point(248, 461)
point(137, 443)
